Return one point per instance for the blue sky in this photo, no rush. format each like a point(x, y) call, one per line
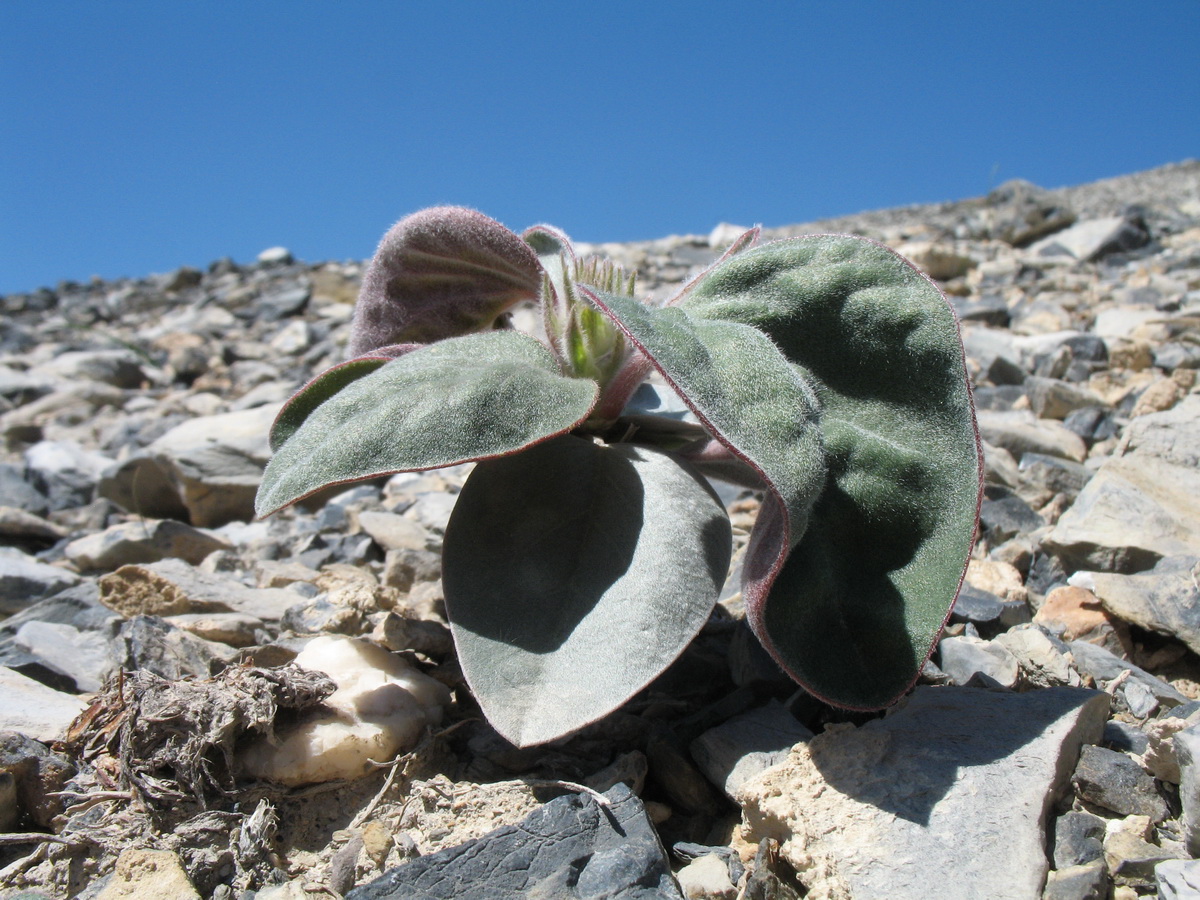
point(141, 136)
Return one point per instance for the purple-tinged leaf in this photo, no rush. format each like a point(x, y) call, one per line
point(856, 608)
point(461, 399)
point(744, 241)
point(575, 573)
point(439, 273)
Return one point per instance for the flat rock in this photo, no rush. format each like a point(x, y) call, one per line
point(172, 587)
point(84, 656)
point(1093, 238)
point(141, 873)
point(1020, 432)
point(1173, 435)
point(1134, 511)
point(956, 780)
point(1165, 599)
point(24, 580)
point(31, 708)
point(208, 469)
point(393, 532)
point(143, 541)
point(742, 747)
point(1178, 879)
point(1105, 666)
point(1087, 881)
point(568, 848)
point(974, 660)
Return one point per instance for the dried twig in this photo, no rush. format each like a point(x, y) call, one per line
point(33, 837)
point(569, 786)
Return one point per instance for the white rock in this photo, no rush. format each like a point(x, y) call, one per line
point(706, 878)
point(275, 256)
point(33, 709)
point(379, 710)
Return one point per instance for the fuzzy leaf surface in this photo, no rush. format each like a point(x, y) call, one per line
point(461, 399)
point(438, 273)
point(742, 390)
point(304, 401)
point(855, 610)
point(574, 574)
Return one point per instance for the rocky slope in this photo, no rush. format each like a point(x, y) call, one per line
point(1051, 751)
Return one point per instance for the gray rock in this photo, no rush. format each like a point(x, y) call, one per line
point(865, 812)
point(1172, 435)
point(18, 493)
point(119, 368)
point(568, 848)
point(1165, 599)
point(31, 708)
point(1104, 666)
point(971, 660)
point(393, 532)
point(989, 613)
point(742, 747)
point(1020, 213)
point(1078, 839)
point(1051, 475)
point(64, 472)
point(151, 643)
point(84, 656)
point(38, 772)
point(1088, 881)
point(1177, 355)
point(143, 541)
point(1093, 238)
point(1134, 511)
point(1039, 659)
point(1050, 398)
point(1004, 515)
point(24, 580)
point(1020, 432)
point(1178, 879)
point(1113, 780)
point(1187, 752)
point(205, 471)
point(187, 589)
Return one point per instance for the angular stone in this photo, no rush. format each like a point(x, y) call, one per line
point(1172, 436)
point(972, 660)
point(1004, 515)
point(1078, 839)
point(155, 645)
point(1020, 212)
point(172, 587)
point(16, 492)
point(209, 468)
point(1113, 780)
point(865, 812)
point(1178, 879)
point(33, 709)
point(38, 773)
point(143, 541)
point(1093, 238)
point(1088, 881)
point(1129, 854)
point(64, 472)
point(1165, 599)
point(1050, 398)
point(393, 532)
point(1039, 660)
point(1104, 666)
point(84, 656)
point(24, 580)
point(567, 848)
point(989, 613)
point(1074, 613)
point(1187, 752)
point(24, 528)
point(1020, 433)
point(1133, 512)
point(1051, 475)
point(742, 747)
point(706, 878)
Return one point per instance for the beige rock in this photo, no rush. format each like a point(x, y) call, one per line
point(393, 532)
point(143, 541)
point(141, 874)
point(31, 708)
point(278, 573)
point(172, 587)
point(1160, 396)
point(999, 578)
point(234, 629)
point(706, 878)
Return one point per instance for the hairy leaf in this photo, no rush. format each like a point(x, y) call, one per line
point(439, 273)
point(856, 609)
point(316, 392)
point(461, 399)
point(574, 574)
point(744, 392)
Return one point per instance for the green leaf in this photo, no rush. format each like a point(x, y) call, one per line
point(574, 574)
point(438, 273)
point(461, 399)
point(304, 401)
point(861, 600)
point(743, 391)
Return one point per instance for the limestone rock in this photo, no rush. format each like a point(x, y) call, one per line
point(864, 812)
point(1165, 599)
point(143, 541)
point(741, 747)
point(24, 580)
point(172, 587)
